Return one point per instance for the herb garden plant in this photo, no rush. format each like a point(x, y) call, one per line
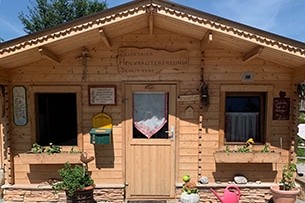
point(74, 179)
point(286, 191)
point(189, 191)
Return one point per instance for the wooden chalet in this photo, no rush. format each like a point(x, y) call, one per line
point(176, 84)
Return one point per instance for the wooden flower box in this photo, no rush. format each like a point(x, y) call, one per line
point(61, 158)
point(244, 157)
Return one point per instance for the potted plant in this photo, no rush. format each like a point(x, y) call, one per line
point(76, 181)
point(286, 191)
point(189, 191)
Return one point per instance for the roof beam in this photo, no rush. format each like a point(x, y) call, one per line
point(48, 54)
point(151, 11)
point(104, 37)
point(253, 53)
point(206, 40)
point(151, 24)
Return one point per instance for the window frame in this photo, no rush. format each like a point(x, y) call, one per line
point(236, 89)
point(59, 89)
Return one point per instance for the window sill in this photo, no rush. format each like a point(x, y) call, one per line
point(244, 157)
point(61, 158)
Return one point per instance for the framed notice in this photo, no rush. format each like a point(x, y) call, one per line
point(102, 95)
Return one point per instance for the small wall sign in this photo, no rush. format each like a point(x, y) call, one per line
point(102, 95)
point(20, 106)
point(281, 107)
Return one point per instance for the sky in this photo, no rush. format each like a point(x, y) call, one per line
point(282, 17)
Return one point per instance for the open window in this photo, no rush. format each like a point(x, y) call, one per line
point(56, 118)
point(57, 115)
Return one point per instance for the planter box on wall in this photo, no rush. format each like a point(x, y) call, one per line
point(243, 157)
point(61, 158)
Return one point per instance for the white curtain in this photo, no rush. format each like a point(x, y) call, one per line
point(150, 112)
point(241, 126)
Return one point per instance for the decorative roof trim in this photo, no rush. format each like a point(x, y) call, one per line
point(233, 29)
point(65, 33)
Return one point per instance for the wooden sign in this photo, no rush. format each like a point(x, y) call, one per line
point(142, 61)
point(281, 108)
point(20, 106)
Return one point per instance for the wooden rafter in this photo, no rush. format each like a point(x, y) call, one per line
point(104, 37)
point(151, 24)
point(48, 54)
point(151, 11)
point(253, 53)
point(206, 40)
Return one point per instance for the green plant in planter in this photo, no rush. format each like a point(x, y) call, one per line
point(189, 186)
point(189, 191)
point(53, 149)
point(73, 179)
point(265, 149)
point(288, 177)
point(37, 149)
point(73, 151)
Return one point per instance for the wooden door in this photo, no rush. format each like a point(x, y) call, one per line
point(150, 153)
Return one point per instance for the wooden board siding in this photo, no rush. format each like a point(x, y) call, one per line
point(221, 67)
point(108, 167)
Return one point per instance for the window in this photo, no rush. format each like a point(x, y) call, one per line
point(244, 116)
point(56, 118)
point(150, 114)
point(261, 104)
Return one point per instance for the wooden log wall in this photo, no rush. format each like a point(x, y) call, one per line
point(221, 67)
point(6, 163)
point(103, 70)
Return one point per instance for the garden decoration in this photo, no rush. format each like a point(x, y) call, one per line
point(230, 195)
point(189, 191)
point(286, 191)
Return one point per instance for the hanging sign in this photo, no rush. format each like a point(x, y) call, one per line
point(20, 106)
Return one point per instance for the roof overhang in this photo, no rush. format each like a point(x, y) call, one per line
point(150, 14)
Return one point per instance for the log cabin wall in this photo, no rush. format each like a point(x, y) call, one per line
point(197, 138)
point(221, 54)
point(102, 69)
point(223, 69)
point(5, 155)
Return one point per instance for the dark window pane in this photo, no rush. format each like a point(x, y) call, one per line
point(56, 118)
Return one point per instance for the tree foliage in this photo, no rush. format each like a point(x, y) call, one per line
point(49, 13)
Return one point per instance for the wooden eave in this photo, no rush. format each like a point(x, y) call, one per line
point(111, 23)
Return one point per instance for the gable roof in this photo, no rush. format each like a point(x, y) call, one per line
point(150, 14)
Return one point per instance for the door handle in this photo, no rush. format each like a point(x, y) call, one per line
point(171, 133)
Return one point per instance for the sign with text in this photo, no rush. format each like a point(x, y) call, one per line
point(281, 107)
point(136, 61)
point(102, 95)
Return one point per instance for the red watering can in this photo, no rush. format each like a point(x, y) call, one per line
point(230, 195)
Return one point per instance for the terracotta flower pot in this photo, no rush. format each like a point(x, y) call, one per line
point(284, 196)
